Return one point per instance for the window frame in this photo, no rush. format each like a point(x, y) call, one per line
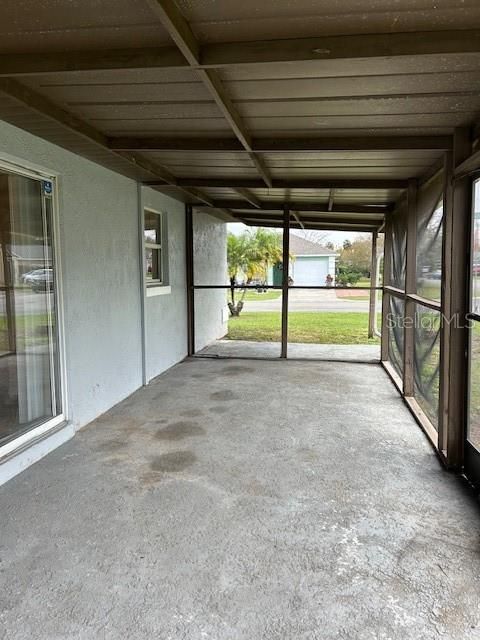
point(155, 286)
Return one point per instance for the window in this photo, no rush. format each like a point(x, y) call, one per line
point(30, 390)
point(154, 249)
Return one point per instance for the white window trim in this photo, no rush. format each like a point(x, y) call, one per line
point(158, 290)
point(156, 287)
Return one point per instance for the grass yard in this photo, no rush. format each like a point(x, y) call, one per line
point(268, 295)
point(308, 327)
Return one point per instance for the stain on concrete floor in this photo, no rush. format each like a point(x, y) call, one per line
point(320, 513)
point(180, 430)
point(172, 462)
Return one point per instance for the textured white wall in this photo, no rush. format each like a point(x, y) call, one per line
point(210, 267)
point(99, 247)
point(100, 265)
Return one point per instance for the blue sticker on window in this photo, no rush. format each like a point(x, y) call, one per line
point(47, 187)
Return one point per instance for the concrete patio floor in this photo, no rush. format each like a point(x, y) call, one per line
point(251, 349)
point(254, 501)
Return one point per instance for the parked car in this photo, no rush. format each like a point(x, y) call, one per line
point(30, 275)
point(39, 279)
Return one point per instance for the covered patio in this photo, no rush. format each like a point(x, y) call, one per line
point(256, 504)
point(273, 491)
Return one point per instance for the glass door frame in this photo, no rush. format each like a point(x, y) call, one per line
point(471, 452)
point(38, 431)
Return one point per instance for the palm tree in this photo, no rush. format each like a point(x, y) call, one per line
point(269, 249)
point(249, 254)
point(241, 259)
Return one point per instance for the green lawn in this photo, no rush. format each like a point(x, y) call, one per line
point(309, 327)
point(268, 295)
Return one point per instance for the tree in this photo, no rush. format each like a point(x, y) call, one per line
point(250, 255)
point(355, 260)
point(268, 250)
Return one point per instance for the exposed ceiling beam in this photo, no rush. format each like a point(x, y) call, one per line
point(72, 61)
point(370, 45)
point(39, 104)
point(331, 219)
point(295, 215)
point(327, 183)
point(330, 199)
point(323, 226)
point(302, 206)
point(470, 165)
point(272, 145)
point(249, 197)
point(181, 33)
point(353, 217)
point(224, 54)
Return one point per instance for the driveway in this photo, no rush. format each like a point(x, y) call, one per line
point(310, 300)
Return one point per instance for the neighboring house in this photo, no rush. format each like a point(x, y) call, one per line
point(311, 263)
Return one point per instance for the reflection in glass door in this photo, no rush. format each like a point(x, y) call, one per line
point(29, 387)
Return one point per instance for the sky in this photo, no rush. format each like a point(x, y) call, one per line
point(322, 237)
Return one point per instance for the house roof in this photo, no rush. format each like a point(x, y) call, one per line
point(302, 247)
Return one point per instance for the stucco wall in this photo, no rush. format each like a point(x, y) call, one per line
point(102, 293)
point(99, 264)
point(210, 251)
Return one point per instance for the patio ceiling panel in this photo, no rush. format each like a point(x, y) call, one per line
point(232, 20)
point(405, 68)
point(65, 26)
point(158, 89)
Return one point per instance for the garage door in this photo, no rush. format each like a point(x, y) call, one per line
point(310, 271)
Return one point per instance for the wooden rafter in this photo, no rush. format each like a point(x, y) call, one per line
point(225, 54)
point(282, 145)
point(306, 183)
point(184, 38)
point(39, 104)
point(302, 206)
point(249, 197)
point(331, 197)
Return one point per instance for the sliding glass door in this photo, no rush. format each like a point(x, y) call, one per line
point(29, 370)
point(472, 445)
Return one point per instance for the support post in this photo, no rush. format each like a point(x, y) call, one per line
point(190, 280)
point(457, 242)
point(373, 283)
point(387, 270)
point(446, 301)
point(285, 276)
point(410, 288)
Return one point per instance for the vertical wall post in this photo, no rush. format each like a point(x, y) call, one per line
point(458, 223)
point(446, 300)
point(387, 278)
point(373, 283)
point(285, 277)
point(143, 285)
point(190, 280)
point(410, 288)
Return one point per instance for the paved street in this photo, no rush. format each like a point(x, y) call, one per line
point(310, 300)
